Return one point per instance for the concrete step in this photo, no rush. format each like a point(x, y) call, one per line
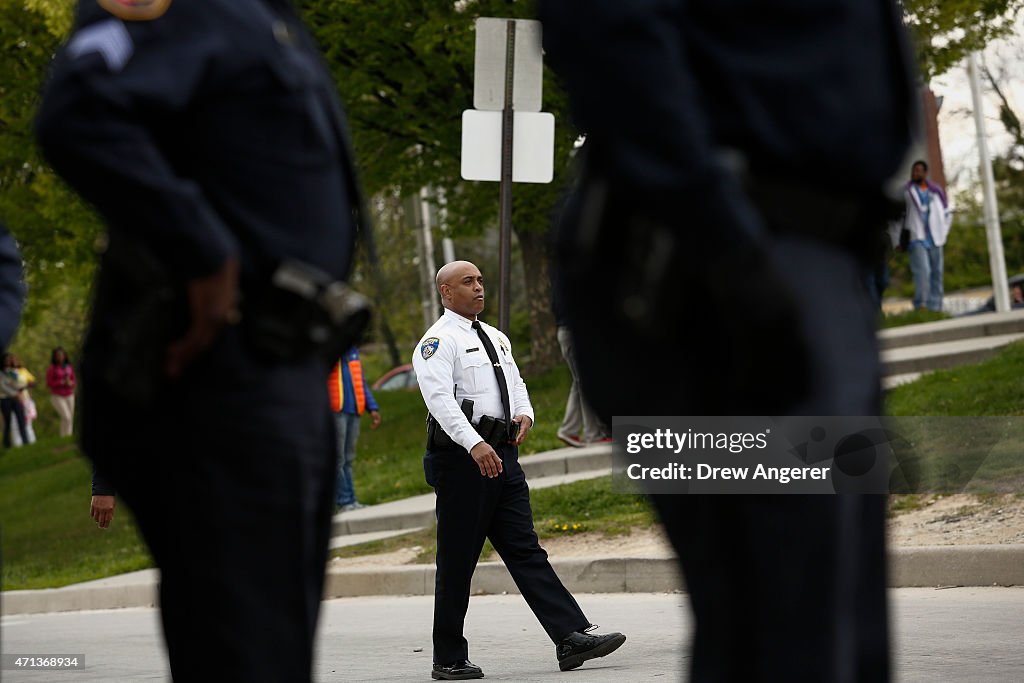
point(973, 326)
point(894, 381)
point(553, 468)
point(943, 355)
point(359, 539)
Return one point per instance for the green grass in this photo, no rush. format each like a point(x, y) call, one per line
point(48, 538)
point(962, 441)
point(992, 387)
point(911, 318)
point(908, 502)
point(580, 507)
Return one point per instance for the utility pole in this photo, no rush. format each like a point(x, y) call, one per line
point(997, 262)
point(447, 245)
point(425, 256)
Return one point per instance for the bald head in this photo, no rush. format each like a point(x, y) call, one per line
point(448, 271)
point(461, 287)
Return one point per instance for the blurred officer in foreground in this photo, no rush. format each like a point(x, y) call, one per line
point(730, 202)
point(209, 137)
point(12, 287)
point(479, 414)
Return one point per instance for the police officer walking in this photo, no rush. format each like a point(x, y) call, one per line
point(479, 414)
point(209, 137)
point(731, 199)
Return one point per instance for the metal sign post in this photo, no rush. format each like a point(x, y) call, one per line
point(505, 191)
point(507, 83)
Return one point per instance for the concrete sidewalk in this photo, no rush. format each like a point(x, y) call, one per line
point(935, 566)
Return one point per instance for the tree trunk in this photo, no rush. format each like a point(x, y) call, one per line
point(544, 350)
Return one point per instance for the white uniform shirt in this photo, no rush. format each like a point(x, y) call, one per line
point(451, 364)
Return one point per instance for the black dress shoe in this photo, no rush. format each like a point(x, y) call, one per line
point(578, 647)
point(459, 671)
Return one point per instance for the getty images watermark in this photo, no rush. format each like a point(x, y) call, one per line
point(765, 455)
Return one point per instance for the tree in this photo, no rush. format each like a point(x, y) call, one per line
point(405, 70)
point(56, 231)
point(945, 31)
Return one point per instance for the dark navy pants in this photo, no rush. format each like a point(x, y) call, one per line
point(470, 508)
point(790, 587)
point(230, 477)
point(783, 587)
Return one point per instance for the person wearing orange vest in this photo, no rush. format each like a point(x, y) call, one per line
point(350, 398)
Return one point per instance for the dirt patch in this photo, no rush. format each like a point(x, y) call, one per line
point(638, 543)
point(960, 519)
point(403, 556)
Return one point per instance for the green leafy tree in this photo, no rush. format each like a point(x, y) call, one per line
point(54, 228)
point(945, 31)
point(405, 70)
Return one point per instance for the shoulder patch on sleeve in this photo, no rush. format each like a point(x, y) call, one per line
point(109, 38)
point(136, 10)
point(429, 346)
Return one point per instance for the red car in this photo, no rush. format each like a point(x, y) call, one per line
point(401, 377)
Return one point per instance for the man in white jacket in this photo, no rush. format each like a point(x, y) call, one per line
point(927, 219)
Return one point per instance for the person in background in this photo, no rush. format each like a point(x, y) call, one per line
point(27, 379)
point(581, 425)
point(928, 219)
point(350, 398)
point(60, 378)
point(11, 386)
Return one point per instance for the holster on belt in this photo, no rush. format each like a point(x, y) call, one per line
point(299, 312)
point(492, 430)
point(437, 438)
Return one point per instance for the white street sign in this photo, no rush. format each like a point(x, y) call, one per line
point(533, 146)
point(489, 67)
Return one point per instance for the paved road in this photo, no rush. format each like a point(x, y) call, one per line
point(957, 634)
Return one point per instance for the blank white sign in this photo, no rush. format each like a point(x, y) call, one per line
point(489, 65)
point(533, 146)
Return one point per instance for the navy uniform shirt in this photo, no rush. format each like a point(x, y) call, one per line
point(210, 129)
point(815, 91)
